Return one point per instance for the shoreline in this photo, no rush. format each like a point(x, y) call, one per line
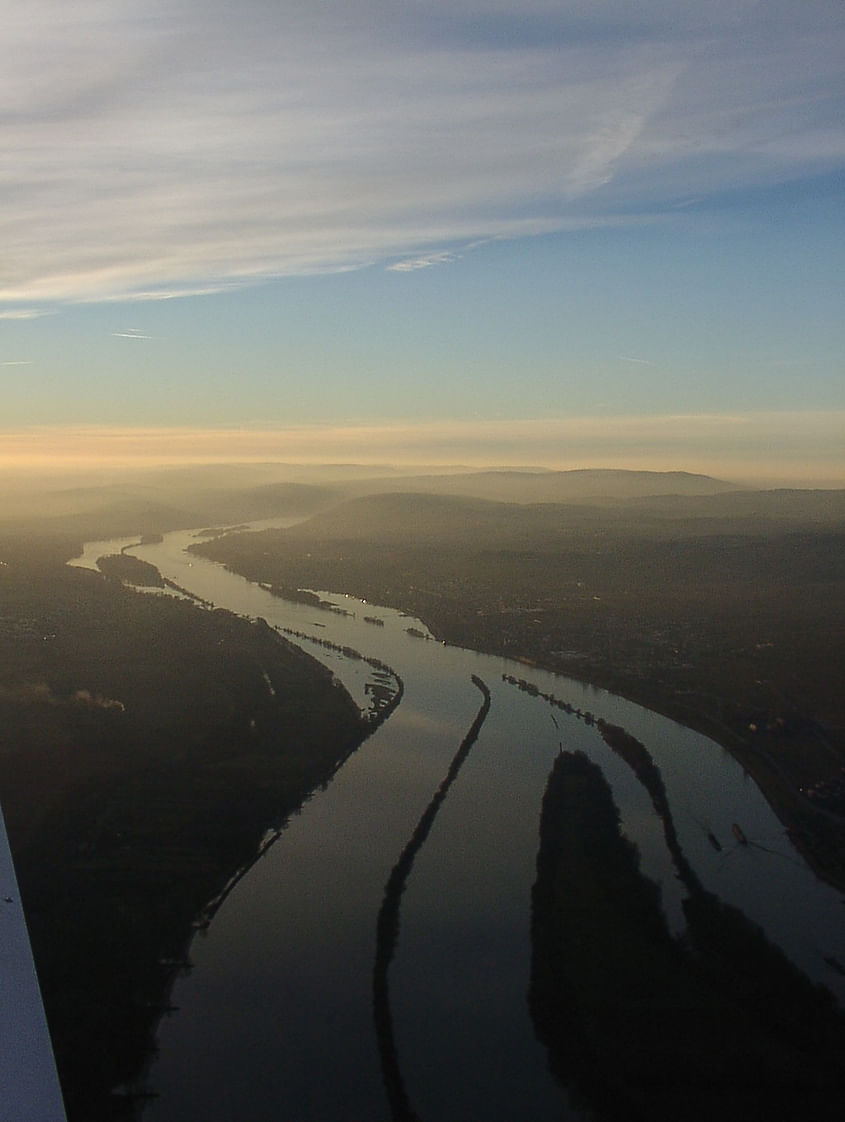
point(797, 814)
point(781, 756)
point(812, 829)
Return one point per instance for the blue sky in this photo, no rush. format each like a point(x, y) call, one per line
point(300, 218)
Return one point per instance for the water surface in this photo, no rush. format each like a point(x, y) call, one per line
point(276, 1022)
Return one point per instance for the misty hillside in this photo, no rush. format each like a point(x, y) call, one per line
point(803, 507)
point(502, 506)
point(586, 485)
point(410, 518)
point(124, 509)
point(241, 491)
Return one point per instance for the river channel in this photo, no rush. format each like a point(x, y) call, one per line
point(275, 1020)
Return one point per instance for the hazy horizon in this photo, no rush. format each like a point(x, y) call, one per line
point(764, 450)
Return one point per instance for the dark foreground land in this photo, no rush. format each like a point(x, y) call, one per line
point(643, 1027)
point(146, 745)
point(726, 612)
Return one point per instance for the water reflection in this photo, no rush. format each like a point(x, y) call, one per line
point(387, 925)
point(276, 1019)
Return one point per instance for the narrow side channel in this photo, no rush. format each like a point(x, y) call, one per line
point(387, 926)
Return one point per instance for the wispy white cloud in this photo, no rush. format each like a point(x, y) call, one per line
point(156, 149)
point(427, 261)
point(17, 362)
point(131, 334)
point(21, 313)
point(638, 361)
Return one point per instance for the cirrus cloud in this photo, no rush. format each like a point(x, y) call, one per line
point(160, 149)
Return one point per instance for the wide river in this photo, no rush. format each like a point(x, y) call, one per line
point(275, 1021)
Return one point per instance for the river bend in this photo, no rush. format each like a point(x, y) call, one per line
point(276, 1019)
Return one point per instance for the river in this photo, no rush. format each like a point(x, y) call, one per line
point(275, 1021)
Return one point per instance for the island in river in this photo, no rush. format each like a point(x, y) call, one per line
point(646, 1028)
point(724, 612)
point(147, 746)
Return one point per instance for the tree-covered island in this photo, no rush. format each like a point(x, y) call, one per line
point(643, 1027)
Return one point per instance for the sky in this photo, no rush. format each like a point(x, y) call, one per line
point(548, 233)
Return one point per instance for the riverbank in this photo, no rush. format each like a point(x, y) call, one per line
point(146, 748)
point(644, 1027)
point(738, 638)
point(819, 835)
point(387, 923)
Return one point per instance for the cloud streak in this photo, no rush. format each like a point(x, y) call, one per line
point(163, 148)
point(412, 264)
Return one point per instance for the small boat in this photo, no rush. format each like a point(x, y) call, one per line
point(739, 835)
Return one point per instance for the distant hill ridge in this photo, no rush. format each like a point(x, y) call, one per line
point(513, 485)
point(403, 517)
point(158, 502)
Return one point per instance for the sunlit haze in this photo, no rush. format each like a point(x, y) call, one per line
point(801, 449)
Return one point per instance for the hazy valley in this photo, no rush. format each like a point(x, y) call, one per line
point(148, 740)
